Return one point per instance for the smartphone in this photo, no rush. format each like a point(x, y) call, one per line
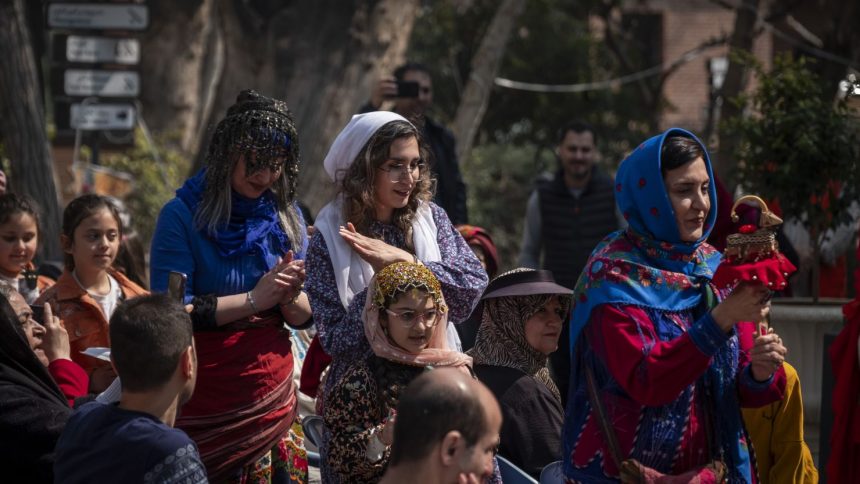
point(407, 89)
point(29, 282)
point(38, 313)
point(176, 285)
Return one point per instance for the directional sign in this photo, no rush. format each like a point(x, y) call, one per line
point(102, 116)
point(98, 16)
point(88, 82)
point(101, 49)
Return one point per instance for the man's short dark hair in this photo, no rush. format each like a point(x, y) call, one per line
point(148, 335)
point(410, 66)
point(427, 411)
point(576, 126)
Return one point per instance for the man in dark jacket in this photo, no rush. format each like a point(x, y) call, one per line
point(566, 217)
point(450, 189)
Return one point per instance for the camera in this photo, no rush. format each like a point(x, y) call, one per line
point(407, 89)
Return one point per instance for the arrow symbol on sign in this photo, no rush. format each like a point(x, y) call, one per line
point(134, 17)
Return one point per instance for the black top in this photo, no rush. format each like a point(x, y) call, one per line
point(571, 228)
point(532, 418)
point(106, 443)
point(33, 411)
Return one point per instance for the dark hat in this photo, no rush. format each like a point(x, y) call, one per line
point(524, 282)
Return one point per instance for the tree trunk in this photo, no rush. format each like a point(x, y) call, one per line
point(176, 87)
point(22, 123)
point(485, 65)
point(734, 84)
point(329, 72)
point(321, 57)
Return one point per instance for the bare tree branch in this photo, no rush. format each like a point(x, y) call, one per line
point(605, 12)
point(485, 65)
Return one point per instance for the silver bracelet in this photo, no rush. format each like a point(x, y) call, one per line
point(251, 302)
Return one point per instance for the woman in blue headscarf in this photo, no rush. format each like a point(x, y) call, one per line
point(658, 377)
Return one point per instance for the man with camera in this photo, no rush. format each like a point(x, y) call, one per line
point(411, 89)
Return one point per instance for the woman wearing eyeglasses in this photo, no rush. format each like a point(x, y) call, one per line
point(404, 320)
point(381, 215)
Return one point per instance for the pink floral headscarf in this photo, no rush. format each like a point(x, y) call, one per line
point(395, 279)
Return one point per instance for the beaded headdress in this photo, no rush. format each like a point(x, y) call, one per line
point(260, 128)
point(402, 277)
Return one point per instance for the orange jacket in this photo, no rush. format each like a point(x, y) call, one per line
point(83, 317)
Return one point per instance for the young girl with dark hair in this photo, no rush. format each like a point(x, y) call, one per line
point(89, 290)
point(19, 240)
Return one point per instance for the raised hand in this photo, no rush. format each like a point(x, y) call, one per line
point(386, 88)
point(55, 341)
point(748, 302)
point(375, 252)
point(767, 354)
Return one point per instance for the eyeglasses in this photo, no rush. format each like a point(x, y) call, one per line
point(410, 318)
point(398, 171)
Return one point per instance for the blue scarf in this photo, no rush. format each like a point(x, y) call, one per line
point(647, 264)
point(252, 222)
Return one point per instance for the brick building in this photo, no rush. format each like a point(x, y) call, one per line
point(678, 27)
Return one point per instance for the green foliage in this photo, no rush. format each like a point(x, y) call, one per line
point(500, 179)
point(552, 44)
point(154, 183)
point(799, 147)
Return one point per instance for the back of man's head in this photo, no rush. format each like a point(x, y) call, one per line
point(433, 405)
point(148, 336)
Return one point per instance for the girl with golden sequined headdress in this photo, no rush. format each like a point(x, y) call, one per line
point(235, 231)
point(404, 320)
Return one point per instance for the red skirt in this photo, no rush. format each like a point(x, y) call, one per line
point(245, 400)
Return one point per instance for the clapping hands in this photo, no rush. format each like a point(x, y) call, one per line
point(281, 284)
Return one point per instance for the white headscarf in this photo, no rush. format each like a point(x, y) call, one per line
point(351, 272)
point(352, 139)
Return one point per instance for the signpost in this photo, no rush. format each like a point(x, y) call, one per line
point(98, 16)
point(94, 117)
point(95, 50)
point(88, 82)
point(94, 81)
